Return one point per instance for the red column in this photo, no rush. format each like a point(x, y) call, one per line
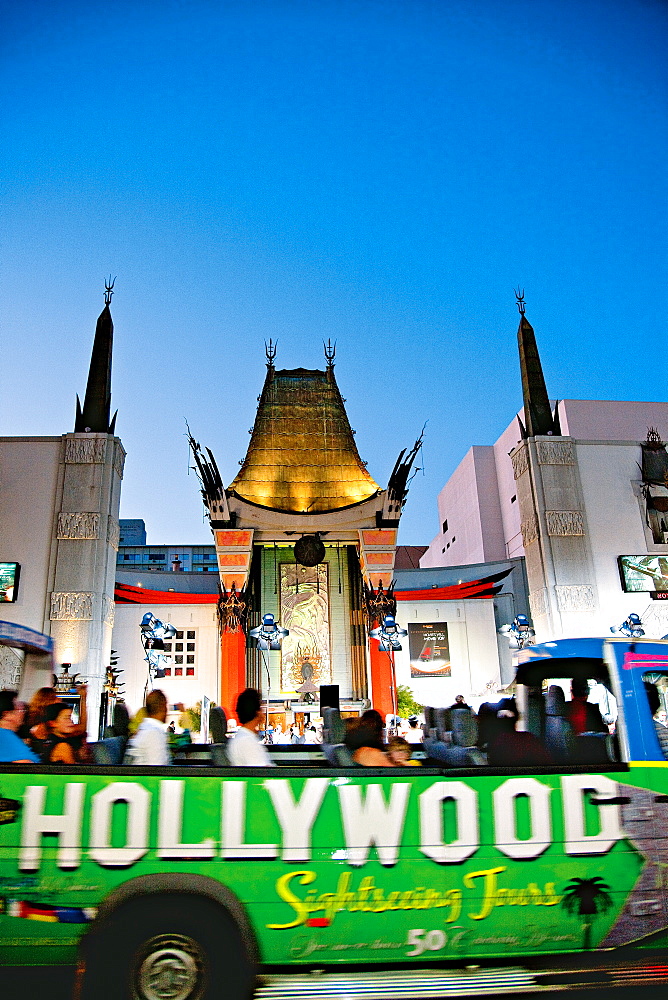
point(381, 679)
point(232, 668)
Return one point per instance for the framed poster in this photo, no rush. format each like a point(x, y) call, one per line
point(429, 649)
point(644, 574)
point(9, 582)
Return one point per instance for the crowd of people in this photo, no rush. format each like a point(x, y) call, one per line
point(44, 731)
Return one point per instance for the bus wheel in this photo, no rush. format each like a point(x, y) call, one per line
point(167, 947)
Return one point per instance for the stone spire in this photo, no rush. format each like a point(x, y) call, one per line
point(538, 416)
point(94, 417)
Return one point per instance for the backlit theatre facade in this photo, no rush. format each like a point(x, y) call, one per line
point(306, 534)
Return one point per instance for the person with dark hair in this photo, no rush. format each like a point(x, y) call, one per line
point(580, 713)
point(12, 749)
point(40, 734)
point(64, 743)
point(149, 745)
point(413, 734)
point(459, 702)
point(245, 748)
point(510, 748)
point(654, 700)
point(374, 720)
point(365, 743)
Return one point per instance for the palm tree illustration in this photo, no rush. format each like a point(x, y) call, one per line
point(589, 897)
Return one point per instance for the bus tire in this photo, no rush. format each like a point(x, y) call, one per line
point(166, 945)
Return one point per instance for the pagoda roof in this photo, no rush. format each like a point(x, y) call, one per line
point(302, 456)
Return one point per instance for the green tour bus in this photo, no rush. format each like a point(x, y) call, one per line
point(195, 881)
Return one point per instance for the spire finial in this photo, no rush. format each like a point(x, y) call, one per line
point(330, 352)
point(519, 296)
point(270, 351)
point(108, 289)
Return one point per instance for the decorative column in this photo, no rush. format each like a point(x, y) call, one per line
point(81, 606)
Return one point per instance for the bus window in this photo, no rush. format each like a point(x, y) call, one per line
point(656, 690)
point(575, 717)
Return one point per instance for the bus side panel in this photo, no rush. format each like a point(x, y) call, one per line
point(360, 868)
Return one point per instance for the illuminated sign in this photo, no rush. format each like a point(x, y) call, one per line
point(644, 574)
point(9, 582)
point(429, 649)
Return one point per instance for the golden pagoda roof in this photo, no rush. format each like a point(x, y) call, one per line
point(302, 455)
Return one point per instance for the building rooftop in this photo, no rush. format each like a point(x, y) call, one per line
point(302, 455)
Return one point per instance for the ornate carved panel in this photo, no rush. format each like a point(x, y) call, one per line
point(119, 460)
point(108, 610)
point(76, 607)
point(85, 451)
point(576, 597)
point(79, 525)
point(113, 532)
point(555, 452)
point(520, 460)
point(529, 529)
point(538, 603)
point(564, 522)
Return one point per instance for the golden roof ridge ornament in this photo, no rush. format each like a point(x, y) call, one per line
point(270, 352)
point(330, 353)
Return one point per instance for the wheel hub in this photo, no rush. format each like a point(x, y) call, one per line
point(171, 969)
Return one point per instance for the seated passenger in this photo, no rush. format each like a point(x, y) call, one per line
point(150, 744)
point(366, 745)
point(460, 703)
point(12, 749)
point(509, 748)
point(373, 720)
point(64, 744)
point(654, 699)
point(245, 748)
point(37, 721)
point(413, 734)
point(400, 752)
point(583, 716)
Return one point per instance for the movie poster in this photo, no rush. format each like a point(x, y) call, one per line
point(429, 649)
point(305, 612)
point(9, 582)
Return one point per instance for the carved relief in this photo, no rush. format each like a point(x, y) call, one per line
point(80, 525)
point(119, 460)
point(564, 522)
point(71, 607)
point(113, 532)
point(108, 610)
point(555, 452)
point(576, 597)
point(529, 529)
point(85, 451)
point(538, 603)
point(520, 460)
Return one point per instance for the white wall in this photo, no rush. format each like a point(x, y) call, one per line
point(470, 503)
point(473, 650)
point(126, 640)
point(615, 524)
point(29, 500)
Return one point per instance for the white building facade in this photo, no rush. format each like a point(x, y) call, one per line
point(572, 504)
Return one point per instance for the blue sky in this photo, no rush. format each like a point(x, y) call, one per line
point(381, 173)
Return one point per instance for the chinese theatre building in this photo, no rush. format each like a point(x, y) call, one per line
point(304, 533)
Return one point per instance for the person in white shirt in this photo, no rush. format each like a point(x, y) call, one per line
point(413, 734)
point(245, 748)
point(149, 744)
